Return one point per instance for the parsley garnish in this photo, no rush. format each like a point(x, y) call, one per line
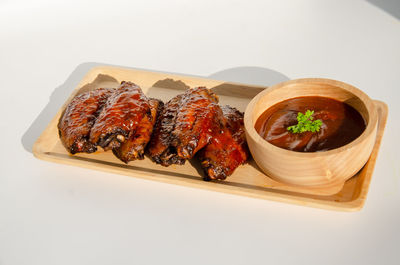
point(305, 123)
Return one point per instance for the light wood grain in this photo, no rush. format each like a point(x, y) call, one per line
point(316, 169)
point(247, 180)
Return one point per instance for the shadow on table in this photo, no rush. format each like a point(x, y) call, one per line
point(250, 75)
point(391, 7)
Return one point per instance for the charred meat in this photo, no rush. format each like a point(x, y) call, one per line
point(185, 125)
point(126, 122)
point(78, 118)
point(227, 148)
point(133, 147)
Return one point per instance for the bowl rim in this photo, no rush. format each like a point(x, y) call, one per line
point(365, 99)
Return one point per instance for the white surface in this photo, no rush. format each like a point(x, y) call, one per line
point(57, 214)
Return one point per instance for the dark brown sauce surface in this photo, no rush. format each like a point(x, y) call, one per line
point(341, 124)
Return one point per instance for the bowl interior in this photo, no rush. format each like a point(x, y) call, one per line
point(276, 94)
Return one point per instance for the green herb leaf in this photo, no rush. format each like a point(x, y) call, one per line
point(305, 123)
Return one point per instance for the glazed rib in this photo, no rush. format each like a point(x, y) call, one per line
point(186, 125)
point(78, 118)
point(125, 123)
point(227, 149)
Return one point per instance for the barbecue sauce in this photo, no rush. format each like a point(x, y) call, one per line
point(341, 124)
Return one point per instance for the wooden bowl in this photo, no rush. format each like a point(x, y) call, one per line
point(316, 169)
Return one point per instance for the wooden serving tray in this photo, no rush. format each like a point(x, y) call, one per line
point(247, 180)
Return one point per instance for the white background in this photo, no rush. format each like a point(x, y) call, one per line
point(57, 214)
